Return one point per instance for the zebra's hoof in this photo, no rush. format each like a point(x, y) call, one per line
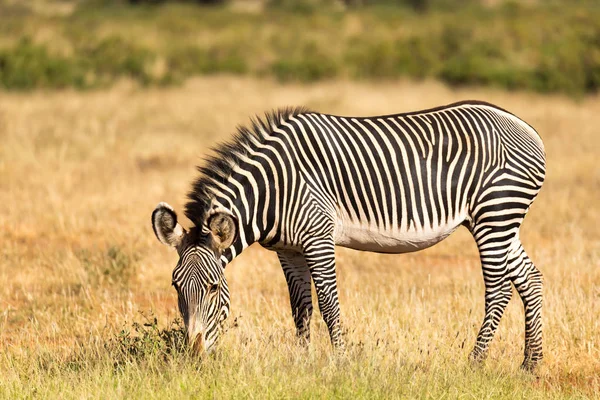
point(476, 358)
point(339, 348)
point(303, 340)
point(530, 365)
point(532, 360)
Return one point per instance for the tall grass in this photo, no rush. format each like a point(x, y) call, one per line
point(81, 172)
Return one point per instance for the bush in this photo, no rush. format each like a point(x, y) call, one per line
point(301, 6)
point(537, 47)
point(418, 5)
point(112, 58)
point(147, 340)
point(29, 66)
point(188, 61)
point(135, 2)
point(309, 65)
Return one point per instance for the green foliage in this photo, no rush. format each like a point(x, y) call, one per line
point(546, 47)
point(111, 58)
point(372, 58)
point(27, 66)
point(147, 340)
point(301, 6)
point(190, 60)
point(153, 2)
point(418, 5)
point(309, 65)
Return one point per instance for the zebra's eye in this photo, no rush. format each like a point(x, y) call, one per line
point(213, 288)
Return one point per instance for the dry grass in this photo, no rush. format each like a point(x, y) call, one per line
point(80, 174)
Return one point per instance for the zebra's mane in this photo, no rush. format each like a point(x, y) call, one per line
point(218, 167)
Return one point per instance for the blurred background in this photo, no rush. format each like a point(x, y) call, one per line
point(106, 107)
point(538, 45)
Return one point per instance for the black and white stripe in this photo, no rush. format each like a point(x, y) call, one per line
point(301, 182)
point(203, 301)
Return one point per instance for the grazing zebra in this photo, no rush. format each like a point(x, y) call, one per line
point(300, 182)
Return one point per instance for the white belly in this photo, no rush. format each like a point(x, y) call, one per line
point(372, 238)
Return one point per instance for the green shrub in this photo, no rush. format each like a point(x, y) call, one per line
point(184, 62)
point(147, 340)
point(30, 66)
point(547, 47)
point(301, 6)
point(418, 5)
point(187, 61)
point(223, 59)
point(309, 65)
point(112, 58)
point(372, 59)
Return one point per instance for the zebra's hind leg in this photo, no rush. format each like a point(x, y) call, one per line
point(493, 250)
point(297, 276)
point(528, 282)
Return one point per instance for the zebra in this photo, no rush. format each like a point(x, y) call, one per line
point(300, 182)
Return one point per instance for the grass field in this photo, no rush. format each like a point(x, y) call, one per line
point(81, 172)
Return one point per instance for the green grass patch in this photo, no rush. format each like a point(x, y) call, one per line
point(147, 361)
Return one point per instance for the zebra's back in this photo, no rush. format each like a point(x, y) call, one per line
point(404, 182)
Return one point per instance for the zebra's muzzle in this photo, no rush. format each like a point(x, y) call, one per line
point(197, 343)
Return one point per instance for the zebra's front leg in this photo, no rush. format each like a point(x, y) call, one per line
point(320, 257)
point(297, 276)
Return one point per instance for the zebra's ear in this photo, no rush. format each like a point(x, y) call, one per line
point(166, 228)
point(223, 227)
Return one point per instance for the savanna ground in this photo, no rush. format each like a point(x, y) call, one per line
point(80, 174)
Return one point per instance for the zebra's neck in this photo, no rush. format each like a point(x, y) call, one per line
point(248, 176)
point(247, 195)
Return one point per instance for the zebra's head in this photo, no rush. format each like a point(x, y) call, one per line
point(202, 291)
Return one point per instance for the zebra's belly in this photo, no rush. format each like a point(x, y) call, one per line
point(371, 238)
